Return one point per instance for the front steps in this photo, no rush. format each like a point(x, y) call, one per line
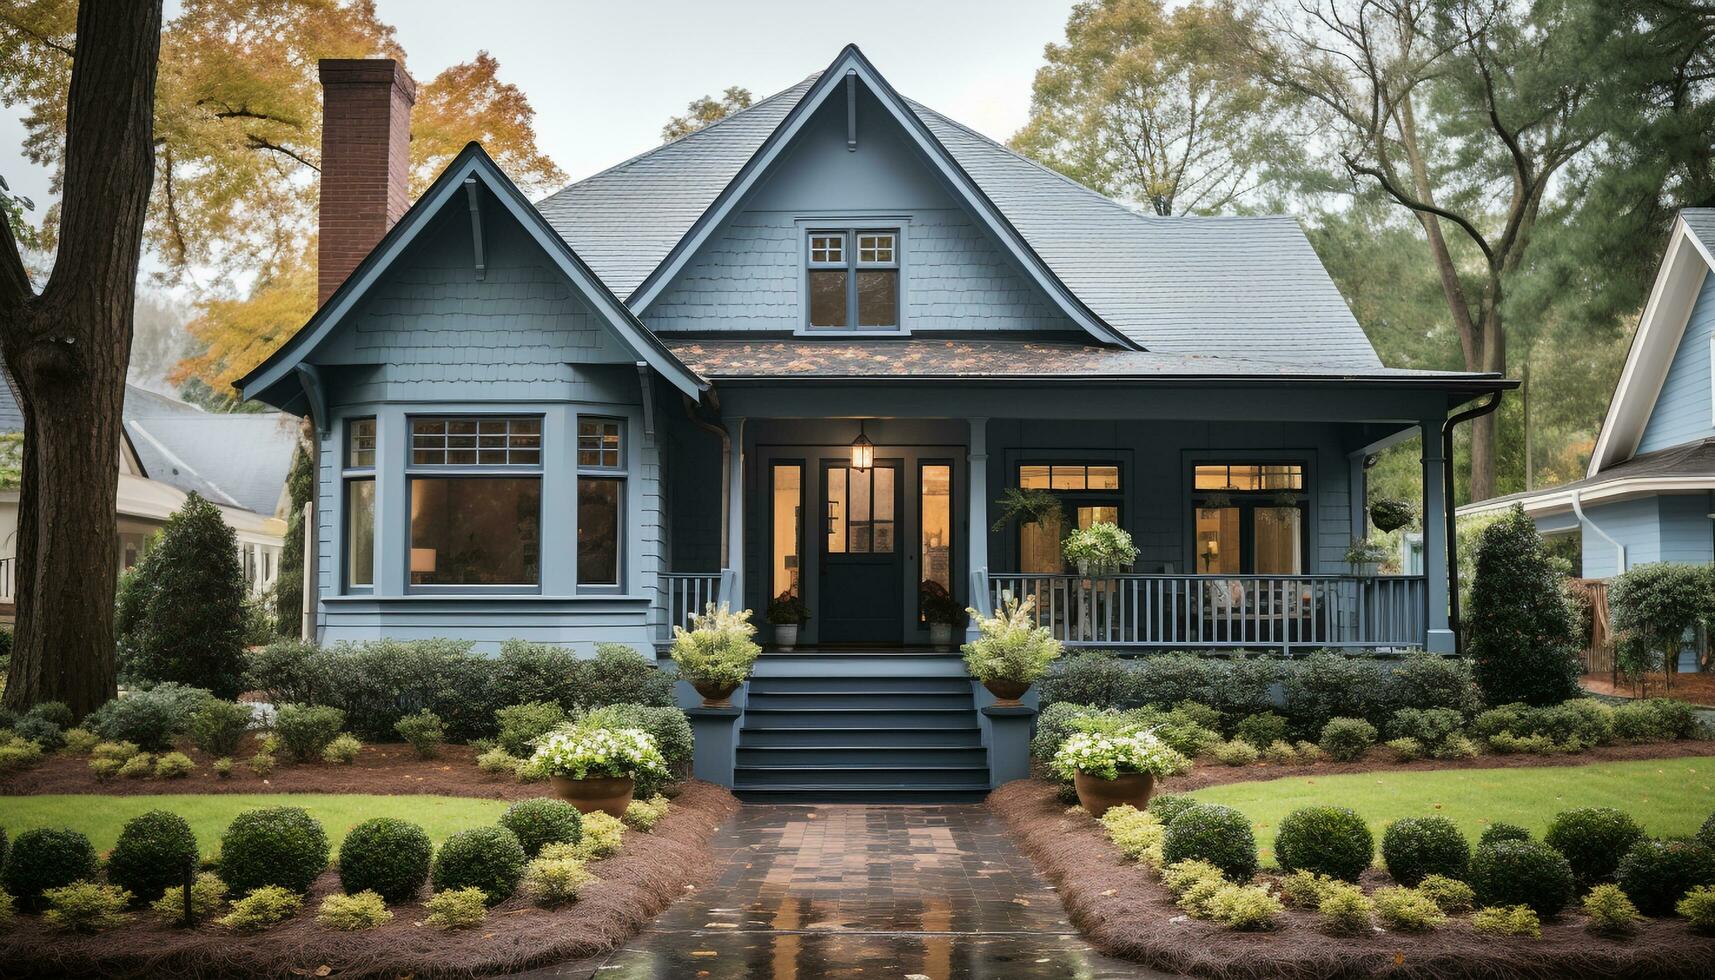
point(860, 727)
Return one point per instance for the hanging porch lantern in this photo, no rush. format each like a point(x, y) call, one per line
point(863, 451)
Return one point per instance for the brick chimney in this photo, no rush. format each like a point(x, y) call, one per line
point(366, 161)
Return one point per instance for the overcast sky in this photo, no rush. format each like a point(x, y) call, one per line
point(604, 76)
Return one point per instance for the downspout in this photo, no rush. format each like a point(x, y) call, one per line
point(1448, 510)
point(1620, 549)
point(726, 470)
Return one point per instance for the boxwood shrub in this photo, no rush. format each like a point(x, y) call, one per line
point(1593, 839)
point(280, 845)
point(150, 718)
point(1705, 834)
point(543, 821)
point(489, 858)
point(1656, 874)
point(1169, 805)
point(1501, 830)
point(1327, 840)
point(156, 851)
point(1094, 677)
point(306, 730)
point(1416, 847)
point(45, 858)
point(1261, 729)
point(1520, 872)
point(1346, 739)
point(1214, 833)
point(387, 856)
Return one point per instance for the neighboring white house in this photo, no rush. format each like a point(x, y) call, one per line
point(239, 462)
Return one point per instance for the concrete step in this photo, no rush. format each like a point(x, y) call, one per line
point(882, 735)
point(824, 756)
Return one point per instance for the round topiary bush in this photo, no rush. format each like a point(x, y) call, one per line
point(1327, 840)
point(1170, 805)
point(45, 858)
point(1417, 847)
point(281, 845)
point(1522, 872)
point(386, 856)
point(1501, 830)
point(1705, 835)
point(1217, 834)
point(1593, 839)
point(540, 822)
point(156, 851)
point(489, 858)
point(1654, 874)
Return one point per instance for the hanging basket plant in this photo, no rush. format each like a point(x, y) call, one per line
point(1217, 500)
point(1390, 515)
point(1027, 507)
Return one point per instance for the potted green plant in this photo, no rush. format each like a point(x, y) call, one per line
point(1365, 556)
point(716, 653)
point(1110, 768)
point(1011, 652)
point(594, 767)
point(1100, 549)
point(943, 613)
point(787, 612)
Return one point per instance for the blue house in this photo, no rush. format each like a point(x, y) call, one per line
point(1647, 496)
point(805, 350)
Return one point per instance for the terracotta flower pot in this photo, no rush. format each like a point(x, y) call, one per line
point(608, 794)
point(715, 695)
point(1007, 693)
point(1098, 795)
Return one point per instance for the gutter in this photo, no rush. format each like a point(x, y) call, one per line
point(1578, 508)
point(1449, 511)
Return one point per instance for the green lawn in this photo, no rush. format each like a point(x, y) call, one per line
point(1669, 796)
point(101, 817)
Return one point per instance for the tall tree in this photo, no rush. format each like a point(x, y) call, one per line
point(701, 112)
point(67, 346)
point(1140, 103)
point(238, 127)
point(1464, 112)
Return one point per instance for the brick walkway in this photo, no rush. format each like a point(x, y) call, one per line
point(932, 892)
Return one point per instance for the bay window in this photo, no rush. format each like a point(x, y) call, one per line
point(475, 491)
point(601, 500)
point(358, 473)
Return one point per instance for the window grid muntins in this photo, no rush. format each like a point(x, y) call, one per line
point(600, 446)
point(360, 444)
point(1249, 477)
point(852, 279)
point(828, 249)
point(877, 249)
point(476, 441)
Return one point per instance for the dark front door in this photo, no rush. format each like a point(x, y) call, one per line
point(862, 567)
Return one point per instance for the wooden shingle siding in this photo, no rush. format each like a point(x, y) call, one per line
point(1683, 411)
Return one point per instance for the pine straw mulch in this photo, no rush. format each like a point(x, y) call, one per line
point(1125, 911)
point(1208, 774)
point(383, 769)
point(630, 889)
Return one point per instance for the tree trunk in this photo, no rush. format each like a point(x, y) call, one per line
point(67, 350)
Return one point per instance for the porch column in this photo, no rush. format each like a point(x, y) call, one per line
point(735, 511)
point(1435, 574)
point(977, 521)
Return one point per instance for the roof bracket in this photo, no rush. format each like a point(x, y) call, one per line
point(471, 193)
point(310, 379)
point(646, 378)
point(851, 110)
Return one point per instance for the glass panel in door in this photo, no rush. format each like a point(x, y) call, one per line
point(1217, 547)
point(1278, 533)
point(936, 531)
point(788, 530)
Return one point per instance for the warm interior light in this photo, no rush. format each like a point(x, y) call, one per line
point(863, 451)
point(423, 560)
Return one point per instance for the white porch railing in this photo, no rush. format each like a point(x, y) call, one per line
point(1296, 612)
point(686, 594)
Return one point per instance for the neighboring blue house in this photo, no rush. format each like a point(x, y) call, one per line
point(1647, 494)
point(578, 420)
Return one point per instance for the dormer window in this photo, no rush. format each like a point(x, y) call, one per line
point(853, 279)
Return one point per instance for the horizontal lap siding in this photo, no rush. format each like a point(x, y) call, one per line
point(1633, 523)
point(1683, 411)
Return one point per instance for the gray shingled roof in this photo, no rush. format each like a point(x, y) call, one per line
point(1691, 459)
point(239, 459)
point(1701, 221)
point(1249, 287)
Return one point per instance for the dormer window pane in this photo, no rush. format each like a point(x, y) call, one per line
point(878, 297)
point(828, 298)
point(828, 248)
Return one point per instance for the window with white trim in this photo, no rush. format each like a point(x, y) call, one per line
point(358, 474)
point(852, 279)
point(475, 490)
point(601, 500)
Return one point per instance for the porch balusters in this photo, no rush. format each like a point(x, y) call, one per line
point(1291, 613)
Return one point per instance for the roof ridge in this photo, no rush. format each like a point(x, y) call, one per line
point(634, 158)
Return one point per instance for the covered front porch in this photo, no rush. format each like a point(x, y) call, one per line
point(1242, 500)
